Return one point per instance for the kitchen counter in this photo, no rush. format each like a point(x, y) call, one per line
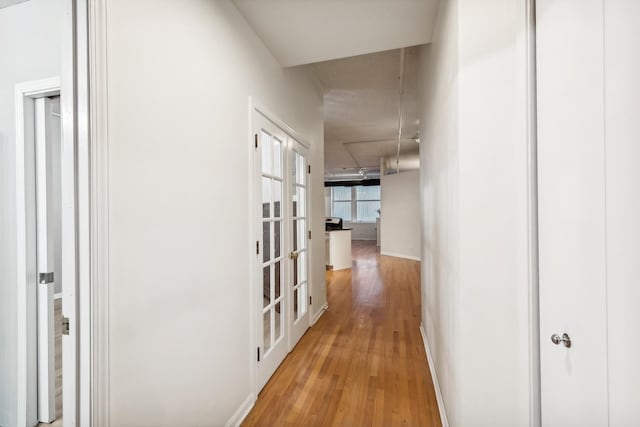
point(338, 249)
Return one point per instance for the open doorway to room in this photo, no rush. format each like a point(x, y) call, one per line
point(372, 160)
point(45, 257)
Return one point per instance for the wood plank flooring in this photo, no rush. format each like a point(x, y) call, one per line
point(363, 363)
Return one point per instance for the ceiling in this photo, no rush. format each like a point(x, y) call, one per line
point(7, 3)
point(361, 106)
point(306, 31)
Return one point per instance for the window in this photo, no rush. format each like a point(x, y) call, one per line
point(341, 202)
point(355, 204)
point(367, 203)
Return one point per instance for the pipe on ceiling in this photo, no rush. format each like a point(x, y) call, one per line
point(400, 102)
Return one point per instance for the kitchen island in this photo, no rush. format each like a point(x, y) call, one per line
point(338, 249)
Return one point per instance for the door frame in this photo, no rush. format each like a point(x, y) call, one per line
point(73, 86)
point(254, 106)
point(27, 271)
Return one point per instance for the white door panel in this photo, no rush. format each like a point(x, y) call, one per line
point(622, 136)
point(572, 212)
point(299, 228)
point(271, 212)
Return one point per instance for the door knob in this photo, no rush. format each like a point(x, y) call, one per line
point(566, 340)
point(293, 255)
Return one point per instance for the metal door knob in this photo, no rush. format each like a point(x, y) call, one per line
point(566, 340)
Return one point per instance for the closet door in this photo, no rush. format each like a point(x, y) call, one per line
point(272, 300)
point(572, 233)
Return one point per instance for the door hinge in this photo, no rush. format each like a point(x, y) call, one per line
point(309, 234)
point(256, 140)
point(309, 169)
point(257, 247)
point(258, 354)
point(309, 299)
point(65, 326)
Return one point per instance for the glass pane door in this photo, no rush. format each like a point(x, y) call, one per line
point(270, 177)
point(299, 240)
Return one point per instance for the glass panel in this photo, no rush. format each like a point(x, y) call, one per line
point(266, 328)
point(302, 266)
point(294, 203)
point(302, 290)
point(301, 234)
point(266, 197)
point(276, 267)
point(367, 211)
point(341, 193)
point(295, 304)
point(295, 234)
point(368, 193)
point(266, 241)
point(278, 318)
point(301, 201)
point(295, 272)
point(277, 157)
point(294, 167)
point(342, 210)
point(277, 198)
point(266, 286)
point(300, 168)
point(277, 239)
point(267, 166)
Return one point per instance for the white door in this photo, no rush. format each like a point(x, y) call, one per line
point(298, 240)
point(270, 248)
point(48, 247)
point(588, 56)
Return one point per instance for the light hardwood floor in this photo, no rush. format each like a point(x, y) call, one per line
point(363, 363)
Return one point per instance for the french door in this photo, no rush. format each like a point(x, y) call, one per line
point(299, 242)
point(282, 219)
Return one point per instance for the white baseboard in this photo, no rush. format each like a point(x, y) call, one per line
point(320, 312)
point(434, 377)
point(413, 258)
point(242, 411)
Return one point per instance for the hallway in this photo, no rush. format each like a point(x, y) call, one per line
point(363, 363)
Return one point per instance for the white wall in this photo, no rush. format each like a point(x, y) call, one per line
point(400, 215)
point(474, 197)
point(362, 230)
point(30, 40)
point(179, 79)
point(439, 192)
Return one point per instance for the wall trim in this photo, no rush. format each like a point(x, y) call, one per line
point(535, 406)
point(396, 255)
point(319, 314)
point(434, 377)
point(241, 413)
point(99, 212)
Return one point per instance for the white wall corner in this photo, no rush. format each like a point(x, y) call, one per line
point(243, 410)
point(434, 378)
point(319, 313)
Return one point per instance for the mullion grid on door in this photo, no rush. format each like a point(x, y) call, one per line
point(272, 181)
point(300, 225)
